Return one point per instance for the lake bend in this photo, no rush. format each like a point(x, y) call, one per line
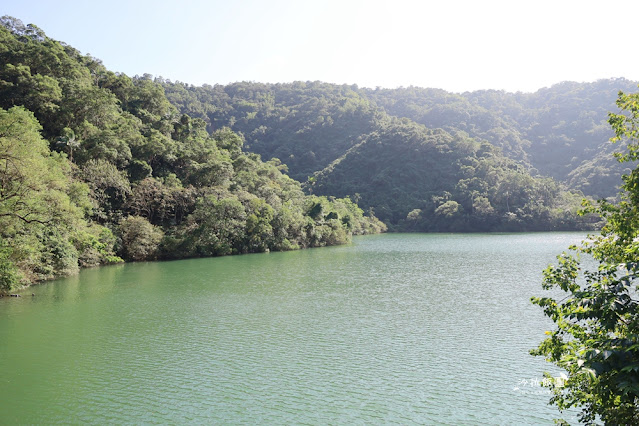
point(393, 328)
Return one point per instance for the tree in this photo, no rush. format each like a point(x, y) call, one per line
point(42, 229)
point(596, 339)
point(414, 215)
point(259, 232)
point(31, 178)
point(140, 239)
point(448, 209)
point(10, 275)
point(109, 188)
point(216, 227)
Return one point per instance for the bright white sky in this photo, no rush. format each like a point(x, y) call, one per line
point(457, 45)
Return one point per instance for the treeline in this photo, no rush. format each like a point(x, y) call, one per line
point(97, 167)
point(343, 142)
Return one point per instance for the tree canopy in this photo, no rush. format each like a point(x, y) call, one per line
point(597, 312)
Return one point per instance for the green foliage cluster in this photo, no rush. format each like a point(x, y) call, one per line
point(596, 339)
point(437, 108)
point(43, 231)
point(96, 166)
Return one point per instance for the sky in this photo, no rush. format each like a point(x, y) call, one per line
point(456, 45)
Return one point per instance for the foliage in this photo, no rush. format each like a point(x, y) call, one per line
point(41, 206)
point(140, 239)
point(10, 276)
point(30, 178)
point(305, 124)
point(558, 131)
point(597, 317)
point(216, 227)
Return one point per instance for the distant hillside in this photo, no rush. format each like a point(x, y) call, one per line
point(436, 108)
point(429, 180)
point(345, 143)
point(561, 131)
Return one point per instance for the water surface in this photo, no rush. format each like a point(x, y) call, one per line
point(395, 328)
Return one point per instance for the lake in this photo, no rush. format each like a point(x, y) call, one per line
point(394, 328)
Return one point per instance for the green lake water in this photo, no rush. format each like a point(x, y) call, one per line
point(395, 328)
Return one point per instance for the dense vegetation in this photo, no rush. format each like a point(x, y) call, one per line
point(430, 180)
point(560, 131)
point(306, 125)
point(596, 309)
point(96, 167)
point(343, 141)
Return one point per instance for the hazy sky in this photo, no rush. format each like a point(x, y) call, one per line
point(456, 45)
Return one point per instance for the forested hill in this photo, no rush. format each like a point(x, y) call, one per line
point(429, 180)
point(96, 167)
point(318, 130)
point(560, 131)
point(305, 125)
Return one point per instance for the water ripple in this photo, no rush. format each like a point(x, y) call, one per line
point(403, 329)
